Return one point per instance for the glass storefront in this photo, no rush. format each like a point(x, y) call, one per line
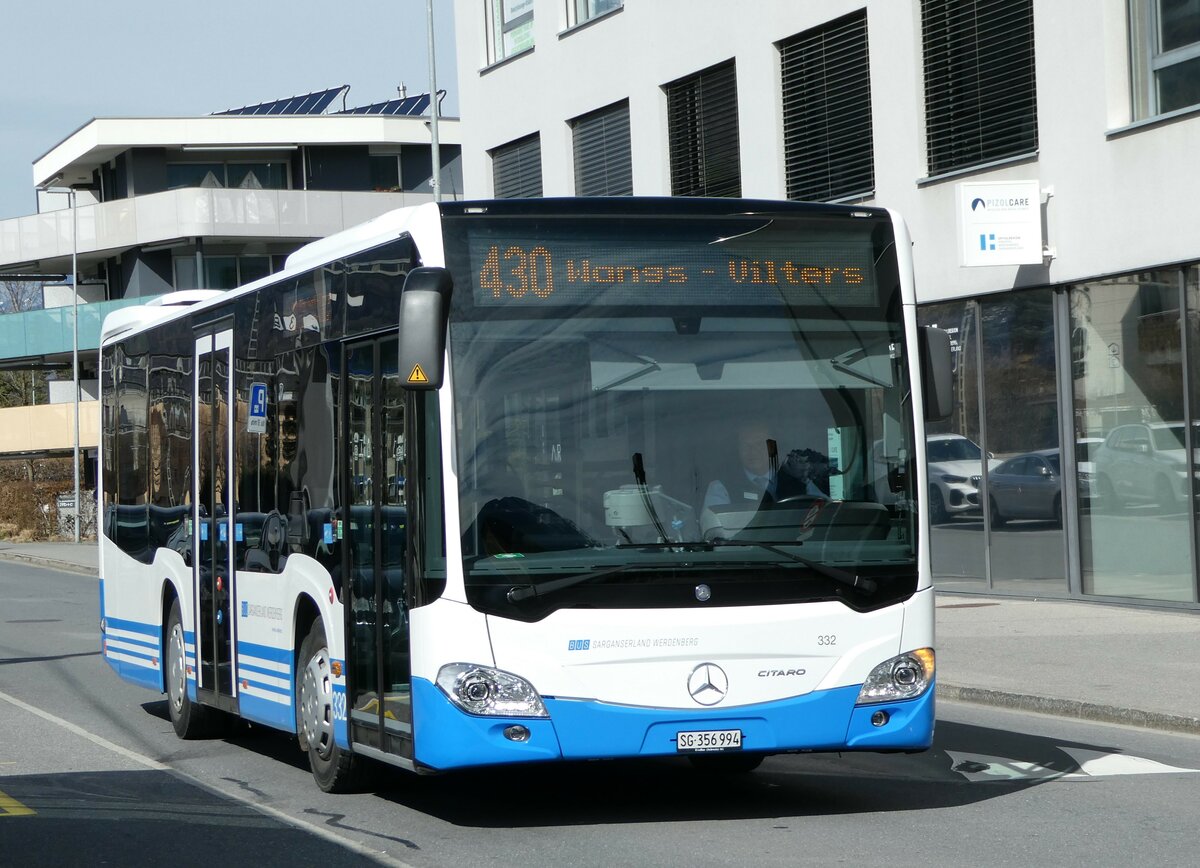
point(1065, 469)
point(1021, 422)
point(957, 540)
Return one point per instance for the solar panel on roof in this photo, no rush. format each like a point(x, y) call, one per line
point(306, 104)
point(412, 106)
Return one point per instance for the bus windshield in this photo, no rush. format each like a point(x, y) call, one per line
point(649, 411)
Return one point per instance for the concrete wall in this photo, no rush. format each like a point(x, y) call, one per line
point(48, 427)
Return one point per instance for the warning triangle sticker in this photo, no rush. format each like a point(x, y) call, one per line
point(417, 375)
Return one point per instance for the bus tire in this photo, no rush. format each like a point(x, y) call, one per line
point(335, 770)
point(190, 719)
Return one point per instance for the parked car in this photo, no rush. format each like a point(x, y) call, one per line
point(955, 467)
point(1030, 485)
point(1145, 463)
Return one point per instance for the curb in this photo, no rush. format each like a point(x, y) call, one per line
point(1072, 708)
point(49, 563)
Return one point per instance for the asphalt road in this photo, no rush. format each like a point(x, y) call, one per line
point(91, 774)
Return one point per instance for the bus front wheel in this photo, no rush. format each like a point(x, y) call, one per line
point(190, 719)
point(335, 770)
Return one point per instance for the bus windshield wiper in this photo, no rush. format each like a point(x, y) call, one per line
point(846, 360)
point(853, 580)
point(517, 593)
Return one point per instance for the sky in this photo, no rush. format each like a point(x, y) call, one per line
point(68, 61)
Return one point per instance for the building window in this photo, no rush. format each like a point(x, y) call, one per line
point(517, 169)
point(509, 28)
point(1165, 49)
point(385, 172)
point(582, 11)
point(603, 162)
point(980, 88)
point(243, 176)
point(828, 151)
point(702, 127)
point(221, 272)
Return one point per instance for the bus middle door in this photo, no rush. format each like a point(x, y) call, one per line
point(377, 629)
point(212, 517)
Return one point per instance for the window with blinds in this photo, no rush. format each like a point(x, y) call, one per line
point(827, 146)
point(517, 169)
point(980, 89)
point(603, 162)
point(702, 125)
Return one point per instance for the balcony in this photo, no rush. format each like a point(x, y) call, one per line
point(193, 212)
point(48, 332)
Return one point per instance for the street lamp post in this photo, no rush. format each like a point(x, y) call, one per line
point(75, 345)
point(434, 150)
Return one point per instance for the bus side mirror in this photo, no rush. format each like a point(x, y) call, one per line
point(937, 373)
point(424, 312)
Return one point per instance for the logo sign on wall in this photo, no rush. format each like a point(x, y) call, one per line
point(1000, 223)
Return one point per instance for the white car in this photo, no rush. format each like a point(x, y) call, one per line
point(1145, 463)
point(955, 467)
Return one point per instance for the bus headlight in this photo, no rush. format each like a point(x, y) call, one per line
point(906, 676)
point(491, 692)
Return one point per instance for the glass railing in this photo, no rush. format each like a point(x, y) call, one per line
point(45, 332)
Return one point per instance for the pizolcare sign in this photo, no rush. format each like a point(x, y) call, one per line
point(1000, 223)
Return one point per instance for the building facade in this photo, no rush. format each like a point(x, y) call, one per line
point(1039, 151)
point(141, 207)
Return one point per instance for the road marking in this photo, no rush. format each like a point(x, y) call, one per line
point(978, 767)
point(378, 856)
point(10, 807)
point(1094, 763)
point(83, 733)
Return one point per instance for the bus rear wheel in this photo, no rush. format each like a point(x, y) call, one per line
point(190, 719)
point(335, 770)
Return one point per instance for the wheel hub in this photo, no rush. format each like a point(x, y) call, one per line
point(316, 703)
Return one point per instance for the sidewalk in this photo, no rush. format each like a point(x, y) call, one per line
point(1118, 664)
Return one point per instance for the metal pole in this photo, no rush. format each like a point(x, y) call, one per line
point(75, 344)
point(435, 150)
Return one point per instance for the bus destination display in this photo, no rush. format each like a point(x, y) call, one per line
point(547, 271)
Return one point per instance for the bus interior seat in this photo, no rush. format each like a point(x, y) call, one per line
point(271, 554)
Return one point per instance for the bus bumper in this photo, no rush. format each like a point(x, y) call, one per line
point(827, 720)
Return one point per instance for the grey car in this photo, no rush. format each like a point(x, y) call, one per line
point(1027, 486)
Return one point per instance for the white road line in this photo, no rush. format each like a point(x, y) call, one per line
point(83, 733)
point(311, 828)
point(977, 767)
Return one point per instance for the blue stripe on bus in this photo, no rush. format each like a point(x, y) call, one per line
point(134, 643)
point(126, 652)
point(268, 688)
point(134, 626)
point(243, 666)
point(265, 652)
point(265, 711)
point(144, 676)
point(828, 720)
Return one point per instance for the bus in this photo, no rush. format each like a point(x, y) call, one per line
point(477, 483)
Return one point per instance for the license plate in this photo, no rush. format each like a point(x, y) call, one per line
point(706, 740)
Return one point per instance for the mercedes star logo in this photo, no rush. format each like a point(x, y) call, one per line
point(708, 684)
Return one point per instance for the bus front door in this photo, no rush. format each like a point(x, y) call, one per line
point(212, 519)
point(374, 556)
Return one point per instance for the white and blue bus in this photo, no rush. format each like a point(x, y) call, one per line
point(493, 482)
